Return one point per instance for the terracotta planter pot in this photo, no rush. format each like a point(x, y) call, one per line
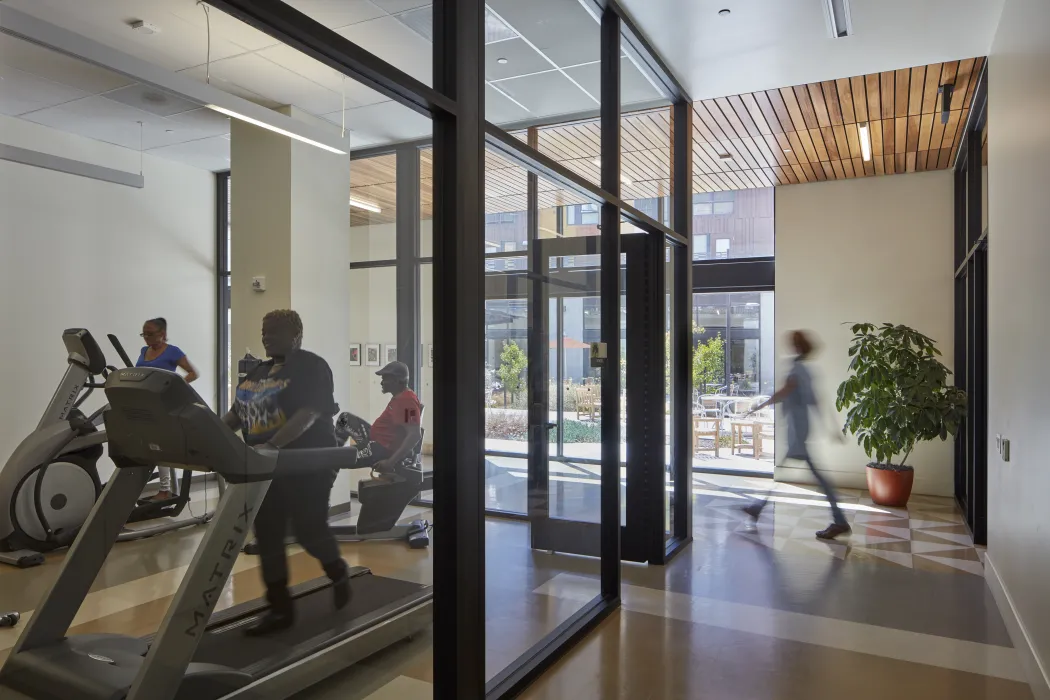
point(889, 487)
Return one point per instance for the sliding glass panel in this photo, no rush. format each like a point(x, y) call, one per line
point(538, 281)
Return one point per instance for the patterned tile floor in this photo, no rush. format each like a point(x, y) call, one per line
point(928, 535)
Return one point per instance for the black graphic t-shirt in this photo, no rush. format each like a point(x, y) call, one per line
point(266, 401)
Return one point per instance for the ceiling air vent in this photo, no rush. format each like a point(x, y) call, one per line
point(836, 13)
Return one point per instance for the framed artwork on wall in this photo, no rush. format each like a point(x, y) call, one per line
point(390, 353)
point(372, 355)
point(355, 354)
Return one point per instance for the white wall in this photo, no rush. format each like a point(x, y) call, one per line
point(76, 252)
point(1018, 333)
point(871, 249)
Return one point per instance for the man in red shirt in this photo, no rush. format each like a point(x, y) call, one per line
point(389, 441)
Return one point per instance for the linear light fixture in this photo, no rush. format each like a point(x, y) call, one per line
point(837, 15)
point(274, 128)
point(367, 206)
point(865, 141)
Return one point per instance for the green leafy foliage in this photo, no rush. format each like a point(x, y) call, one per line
point(512, 364)
point(897, 394)
point(709, 362)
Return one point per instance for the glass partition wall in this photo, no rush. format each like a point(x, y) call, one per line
point(543, 306)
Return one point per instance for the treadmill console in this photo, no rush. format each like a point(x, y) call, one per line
point(81, 344)
point(156, 418)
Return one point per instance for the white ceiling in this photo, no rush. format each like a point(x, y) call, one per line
point(550, 47)
point(766, 44)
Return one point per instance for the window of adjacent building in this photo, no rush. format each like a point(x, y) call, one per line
point(584, 214)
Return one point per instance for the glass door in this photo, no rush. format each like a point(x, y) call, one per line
point(565, 404)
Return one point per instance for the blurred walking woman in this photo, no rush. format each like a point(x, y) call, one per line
point(289, 402)
point(159, 353)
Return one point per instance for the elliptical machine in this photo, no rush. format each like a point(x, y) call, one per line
point(50, 482)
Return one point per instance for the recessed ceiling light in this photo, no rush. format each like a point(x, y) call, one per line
point(724, 12)
point(865, 141)
point(837, 17)
point(502, 61)
point(787, 150)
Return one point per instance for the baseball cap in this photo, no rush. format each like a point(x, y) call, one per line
point(397, 370)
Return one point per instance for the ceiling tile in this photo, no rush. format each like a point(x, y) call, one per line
point(357, 94)
point(223, 26)
point(336, 14)
point(152, 100)
point(200, 73)
point(279, 84)
point(395, 6)
point(22, 92)
point(634, 87)
point(547, 94)
point(396, 44)
point(103, 120)
point(561, 29)
point(383, 123)
point(179, 44)
point(501, 110)
point(58, 67)
point(198, 124)
point(208, 154)
point(522, 59)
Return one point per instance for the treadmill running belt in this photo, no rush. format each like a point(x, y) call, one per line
point(316, 621)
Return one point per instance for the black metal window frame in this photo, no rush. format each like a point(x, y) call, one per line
point(971, 319)
point(461, 135)
point(222, 291)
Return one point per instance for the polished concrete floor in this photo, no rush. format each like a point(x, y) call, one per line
point(760, 612)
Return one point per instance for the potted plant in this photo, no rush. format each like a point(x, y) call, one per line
point(897, 395)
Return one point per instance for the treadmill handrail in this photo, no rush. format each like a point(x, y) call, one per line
point(292, 461)
point(156, 418)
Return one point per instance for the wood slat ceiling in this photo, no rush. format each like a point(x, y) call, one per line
point(809, 133)
point(799, 134)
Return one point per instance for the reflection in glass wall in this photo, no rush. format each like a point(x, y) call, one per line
point(733, 224)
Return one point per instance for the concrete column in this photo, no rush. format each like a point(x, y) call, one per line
point(290, 223)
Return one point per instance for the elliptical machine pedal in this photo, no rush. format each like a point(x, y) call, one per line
point(418, 536)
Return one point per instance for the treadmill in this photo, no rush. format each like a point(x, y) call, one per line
point(156, 419)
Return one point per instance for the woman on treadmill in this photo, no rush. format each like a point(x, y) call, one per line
point(158, 352)
point(289, 402)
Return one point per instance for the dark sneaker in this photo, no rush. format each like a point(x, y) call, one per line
point(269, 623)
point(339, 573)
point(754, 509)
point(341, 591)
point(834, 530)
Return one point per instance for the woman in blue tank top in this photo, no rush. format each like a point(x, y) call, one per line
point(162, 355)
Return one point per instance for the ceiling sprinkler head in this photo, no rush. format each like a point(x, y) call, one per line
point(725, 12)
